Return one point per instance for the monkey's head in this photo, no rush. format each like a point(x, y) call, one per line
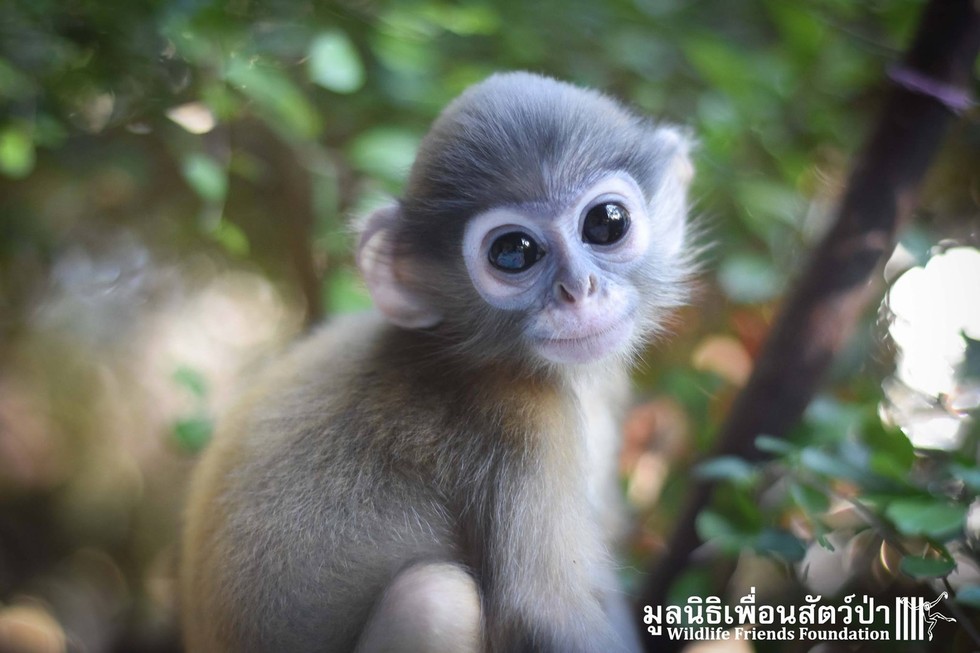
point(541, 222)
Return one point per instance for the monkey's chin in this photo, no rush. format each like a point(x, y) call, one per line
point(587, 349)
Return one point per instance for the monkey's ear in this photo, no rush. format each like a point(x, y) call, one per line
point(675, 146)
point(677, 143)
point(388, 275)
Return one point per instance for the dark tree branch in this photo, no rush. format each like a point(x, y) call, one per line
point(294, 184)
point(825, 306)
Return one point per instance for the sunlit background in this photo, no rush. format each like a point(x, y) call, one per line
point(176, 184)
point(935, 325)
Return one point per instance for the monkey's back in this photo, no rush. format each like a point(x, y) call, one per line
point(304, 489)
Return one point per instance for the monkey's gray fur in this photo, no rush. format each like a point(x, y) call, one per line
point(519, 139)
point(371, 449)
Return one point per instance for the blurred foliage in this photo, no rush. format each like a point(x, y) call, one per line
point(176, 181)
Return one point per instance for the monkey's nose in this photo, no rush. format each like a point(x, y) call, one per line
point(570, 293)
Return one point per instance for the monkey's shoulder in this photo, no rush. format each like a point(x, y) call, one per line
point(365, 393)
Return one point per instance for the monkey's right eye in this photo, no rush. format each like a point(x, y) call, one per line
point(514, 252)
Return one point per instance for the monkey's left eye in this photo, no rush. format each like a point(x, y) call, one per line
point(514, 252)
point(605, 223)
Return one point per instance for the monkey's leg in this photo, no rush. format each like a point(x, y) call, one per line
point(427, 608)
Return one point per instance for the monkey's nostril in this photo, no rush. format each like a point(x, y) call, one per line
point(567, 296)
point(572, 293)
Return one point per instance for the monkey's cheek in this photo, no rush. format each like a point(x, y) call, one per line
point(589, 349)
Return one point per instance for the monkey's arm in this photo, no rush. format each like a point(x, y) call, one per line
point(546, 568)
point(547, 601)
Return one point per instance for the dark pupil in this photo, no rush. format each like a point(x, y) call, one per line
point(514, 252)
point(605, 224)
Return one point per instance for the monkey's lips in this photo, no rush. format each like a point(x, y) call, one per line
point(591, 346)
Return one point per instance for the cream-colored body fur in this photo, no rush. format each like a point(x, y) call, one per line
point(293, 534)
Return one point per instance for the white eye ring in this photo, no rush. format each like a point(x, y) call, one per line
point(617, 188)
point(500, 287)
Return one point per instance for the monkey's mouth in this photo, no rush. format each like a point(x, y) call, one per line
point(590, 347)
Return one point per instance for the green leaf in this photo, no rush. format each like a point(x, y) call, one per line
point(231, 238)
point(719, 63)
point(334, 63)
point(284, 105)
point(802, 29)
point(883, 464)
point(777, 446)
point(764, 202)
point(192, 434)
point(926, 567)
point(810, 500)
point(465, 20)
point(748, 513)
point(223, 102)
point(385, 152)
point(824, 542)
point(780, 543)
point(48, 131)
point(929, 517)
point(345, 292)
point(713, 527)
point(823, 463)
point(969, 475)
point(840, 69)
point(749, 279)
point(718, 122)
point(14, 84)
point(892, 452)
point(728, 468)
point(208, 179)
point(406, 56)
point(833, 419)
point(695, 581)
point(969, 596)
point(16, 152)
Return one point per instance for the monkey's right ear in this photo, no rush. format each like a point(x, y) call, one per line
point(388, 275)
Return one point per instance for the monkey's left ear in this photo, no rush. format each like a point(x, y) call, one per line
point(677, 143)
point(388, 274)
point(673, 146)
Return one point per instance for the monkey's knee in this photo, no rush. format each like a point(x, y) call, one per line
point(433, 608)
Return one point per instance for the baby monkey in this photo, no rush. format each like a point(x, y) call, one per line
point(440, 475)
